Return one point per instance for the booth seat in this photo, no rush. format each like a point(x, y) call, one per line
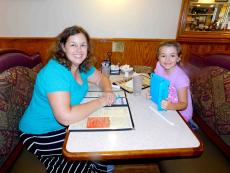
point(18, 71)
point(210, 88)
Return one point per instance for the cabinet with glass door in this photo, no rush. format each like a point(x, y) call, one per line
point(204, 20)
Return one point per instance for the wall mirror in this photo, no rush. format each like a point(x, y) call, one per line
point(204, 20)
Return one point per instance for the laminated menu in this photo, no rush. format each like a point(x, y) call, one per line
point(114, 117)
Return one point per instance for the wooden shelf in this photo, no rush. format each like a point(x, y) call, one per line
point(200, 14)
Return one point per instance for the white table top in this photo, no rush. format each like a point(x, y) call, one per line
point(151, 132)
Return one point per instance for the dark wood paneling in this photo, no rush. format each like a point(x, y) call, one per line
point(136, 51)
point(204, 48)
point(29, 45)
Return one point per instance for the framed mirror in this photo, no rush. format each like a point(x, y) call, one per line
point(204, 20)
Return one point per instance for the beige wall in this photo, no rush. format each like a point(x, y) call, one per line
point(102, 18)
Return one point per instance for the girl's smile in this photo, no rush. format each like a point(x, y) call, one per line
point(168, 57)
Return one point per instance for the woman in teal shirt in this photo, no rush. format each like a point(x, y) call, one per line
point(59, 89)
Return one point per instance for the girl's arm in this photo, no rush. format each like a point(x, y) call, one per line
point(182, 101)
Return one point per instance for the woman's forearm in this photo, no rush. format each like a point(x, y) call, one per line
point(105, 84)
point(81, 111)
point(67, 114)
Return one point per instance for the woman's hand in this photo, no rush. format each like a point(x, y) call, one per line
point(108, 98)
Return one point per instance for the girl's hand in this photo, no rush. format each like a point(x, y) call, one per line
point(148, 96)
point(165, 104)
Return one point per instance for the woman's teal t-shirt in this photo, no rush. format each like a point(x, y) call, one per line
point(39, 117)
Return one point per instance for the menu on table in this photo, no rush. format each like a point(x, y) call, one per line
point(114, 117)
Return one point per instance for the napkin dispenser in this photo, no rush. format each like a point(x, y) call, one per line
point(106, 64)
point(106, 67)
point(115, 69)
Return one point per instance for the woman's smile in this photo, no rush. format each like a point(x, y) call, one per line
point(76, 48)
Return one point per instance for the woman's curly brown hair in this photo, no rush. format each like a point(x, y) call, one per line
point(60, 55)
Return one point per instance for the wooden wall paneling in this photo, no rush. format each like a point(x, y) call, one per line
point(100, 48)
point(202, 48)
point(139, 53)
point(142, 52)
point(29, 45)
point(136, 51)
point(185, 53)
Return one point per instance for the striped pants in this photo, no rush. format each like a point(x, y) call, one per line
point(48, 149)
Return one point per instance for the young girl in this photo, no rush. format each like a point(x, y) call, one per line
point(179, 97)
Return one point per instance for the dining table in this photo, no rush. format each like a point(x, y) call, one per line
point(156, 134)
